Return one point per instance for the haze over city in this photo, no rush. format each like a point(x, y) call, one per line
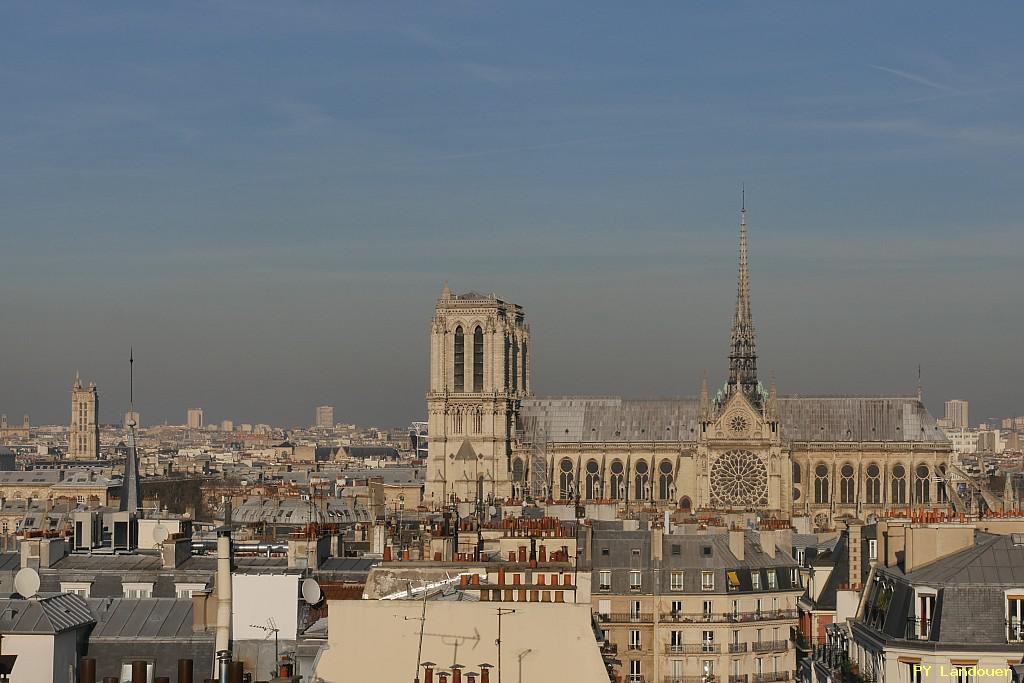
point(265, 200)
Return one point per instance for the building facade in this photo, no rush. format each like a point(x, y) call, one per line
point(324, 418)
point(743, 447)
point(84, 438)
point(194, 418)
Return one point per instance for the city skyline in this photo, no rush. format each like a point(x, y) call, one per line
point(269, 245)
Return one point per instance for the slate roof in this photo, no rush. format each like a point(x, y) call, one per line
point(45, 615)
point(803, 418)
point(156, 618)
point(994, 560)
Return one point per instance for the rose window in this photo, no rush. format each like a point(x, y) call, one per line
point(739, 479)
point(738, 423)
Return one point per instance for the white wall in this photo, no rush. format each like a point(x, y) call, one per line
point(35, 658)
point(259, 597)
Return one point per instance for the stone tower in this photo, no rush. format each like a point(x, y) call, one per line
point(479, 372)
point(84, 441)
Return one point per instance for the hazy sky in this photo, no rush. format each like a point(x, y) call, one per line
point(265, 198)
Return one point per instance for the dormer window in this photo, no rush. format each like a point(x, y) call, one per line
point(1015, 618)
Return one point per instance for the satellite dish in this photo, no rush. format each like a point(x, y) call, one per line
point(311, 592)
point(491, 510)
point(26, 582)
point(160, 534)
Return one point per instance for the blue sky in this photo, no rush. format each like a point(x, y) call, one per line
point(264, 198)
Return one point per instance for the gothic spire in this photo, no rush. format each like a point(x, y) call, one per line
point(705, 403)
point(743, 339)
point(131, 491)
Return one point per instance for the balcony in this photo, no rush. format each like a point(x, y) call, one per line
point(737, 647)
point(635, 678)
point(691, 679)
point(626, 618)
point(919, 629)
point(728, 617)
point(693, 648)
point(1014, 632)
point(770, 646)
point(742, 678)
point(771, 677)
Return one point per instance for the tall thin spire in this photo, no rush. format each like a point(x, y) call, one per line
point(743, 339)
point(131, 491)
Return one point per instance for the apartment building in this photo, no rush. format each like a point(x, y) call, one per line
point(696, 607)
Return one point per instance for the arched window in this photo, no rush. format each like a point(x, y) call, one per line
point(846, 484)
point(593, 480)
point(665, 489)
point(873, 485)
point(922, 493)
point(518, 477)
point(940, 487)
point(821, 484)
point(515, 364)
point(508, 346)
point(617, 483)
point(899, 485)
point(685, 503)
point(565, 480)
point(642, 481)
point(522, 379)
point(796, 473)
point(460, 360)
point(478, 359)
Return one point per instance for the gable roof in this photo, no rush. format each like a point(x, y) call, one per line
point(46, 616)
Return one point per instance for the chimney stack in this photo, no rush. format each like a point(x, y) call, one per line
point(853, 530)
point(485, 671)
point(140, 670)
point(184, 671)
point(223, 640)
point(87, 670)
point(428, 672)
point(456, 673)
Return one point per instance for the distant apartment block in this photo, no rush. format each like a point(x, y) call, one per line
point(956, 414)
point(195, 418)
point(227, 426)
point(324, 417)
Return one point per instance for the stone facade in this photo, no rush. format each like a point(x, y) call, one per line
point(84, 439)
point(479, 372)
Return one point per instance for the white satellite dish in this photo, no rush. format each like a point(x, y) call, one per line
point(26, 582)
point(311, 592)
point(160, 534)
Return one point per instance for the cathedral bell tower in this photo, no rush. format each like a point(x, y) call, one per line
point(479, 372)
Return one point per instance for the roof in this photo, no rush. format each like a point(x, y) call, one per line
point(46, 615)
point(993, 560)
point(156, 618)
point(803, 418)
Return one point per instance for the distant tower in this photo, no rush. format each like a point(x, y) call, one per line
point(84, 441)
point(743, 338)
point(479, 372)
point(195, 418)
point(324, 417)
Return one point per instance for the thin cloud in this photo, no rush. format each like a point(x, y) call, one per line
point(920, 80)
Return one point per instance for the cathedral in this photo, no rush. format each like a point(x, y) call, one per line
point(740, 448)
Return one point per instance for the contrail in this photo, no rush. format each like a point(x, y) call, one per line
point(918, 79)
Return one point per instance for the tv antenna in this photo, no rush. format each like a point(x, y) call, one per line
point(270, 627)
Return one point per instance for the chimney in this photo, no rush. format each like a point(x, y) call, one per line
point(140, 669)
point(853, 532)
point(223, 640)
point(736, 543)
point(456, 673)
point(767, 537)
point(485, 671)
point(87, 670)
point(784, 541)
point(184, 671)
point(428, 672)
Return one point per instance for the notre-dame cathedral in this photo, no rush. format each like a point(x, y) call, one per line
point(741, 448)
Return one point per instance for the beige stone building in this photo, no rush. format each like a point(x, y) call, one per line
point(743, 447)
point(84, 437)
point(479, 372)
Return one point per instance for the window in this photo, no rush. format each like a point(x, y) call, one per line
point(846, 485)
point(78, 588)
point(634, 580)
point(604, 551)
point(605, 580)
point(705, 551)
point(634, 640)
point(872, 549)
point(677, 607)
point(755, 579)
point(566, 480)
point(676, 549)
point(922, 491)
point(666, 490)
point(642, 488)
point(925, 614)
point(634, 610)
point(733, 583)
point(677, 581)
point(618, 486)
point(634, 671)
point(821, 484)
point(772, 580)
point(707, 581)
point(962, 671)
point(184, 591)
point(593, 481)
point(874, 485)
point(460, 360)
point(899, 485)
point(914, 673)
point(676, 641)
point(478, 359)
point(137, 590)
point(707, 641)
point(801, 556)
point(1015, 618)
point(794, 578)
point(708, 608)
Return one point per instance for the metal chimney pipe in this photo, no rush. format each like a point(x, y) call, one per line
point(184, 671)
point(235, 672)
point(223, 643)
point(140, 671)
point(111, 679)
point(161, 679)
point(87, 670)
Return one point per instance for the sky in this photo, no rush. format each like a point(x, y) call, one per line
point(264, 199)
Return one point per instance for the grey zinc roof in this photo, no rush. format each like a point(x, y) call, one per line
point(994, 560)
point(45, 615)
point(156, 618)
point(803, 418)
